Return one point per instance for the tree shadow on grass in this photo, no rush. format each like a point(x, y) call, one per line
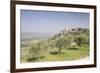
point(74, 48)
point(56, 53)
point(35, 59)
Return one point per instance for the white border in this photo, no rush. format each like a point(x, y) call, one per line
point(51, 64)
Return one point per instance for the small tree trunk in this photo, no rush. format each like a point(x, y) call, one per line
point(59, 50)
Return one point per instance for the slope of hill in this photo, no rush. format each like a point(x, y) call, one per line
point(69, 44)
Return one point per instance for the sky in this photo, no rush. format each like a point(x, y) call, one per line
point(52, 21)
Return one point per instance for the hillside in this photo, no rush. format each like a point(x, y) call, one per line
point(62, 46)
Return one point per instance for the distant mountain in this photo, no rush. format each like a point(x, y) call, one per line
point(35, 35)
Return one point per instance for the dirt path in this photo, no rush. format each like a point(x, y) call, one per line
point(86, 58)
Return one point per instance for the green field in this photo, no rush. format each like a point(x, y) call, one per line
point(66, 55)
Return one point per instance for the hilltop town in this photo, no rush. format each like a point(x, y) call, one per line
point(71, 30)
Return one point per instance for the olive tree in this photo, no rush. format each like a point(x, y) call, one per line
point(63, 43)
point(35, 51)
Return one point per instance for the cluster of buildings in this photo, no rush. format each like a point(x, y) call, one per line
point(69, 30)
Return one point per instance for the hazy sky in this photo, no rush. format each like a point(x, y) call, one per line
point(51, 21)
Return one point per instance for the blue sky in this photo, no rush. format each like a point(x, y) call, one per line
point(52, 21)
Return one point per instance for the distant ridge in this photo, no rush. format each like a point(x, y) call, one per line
point(35, 35)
